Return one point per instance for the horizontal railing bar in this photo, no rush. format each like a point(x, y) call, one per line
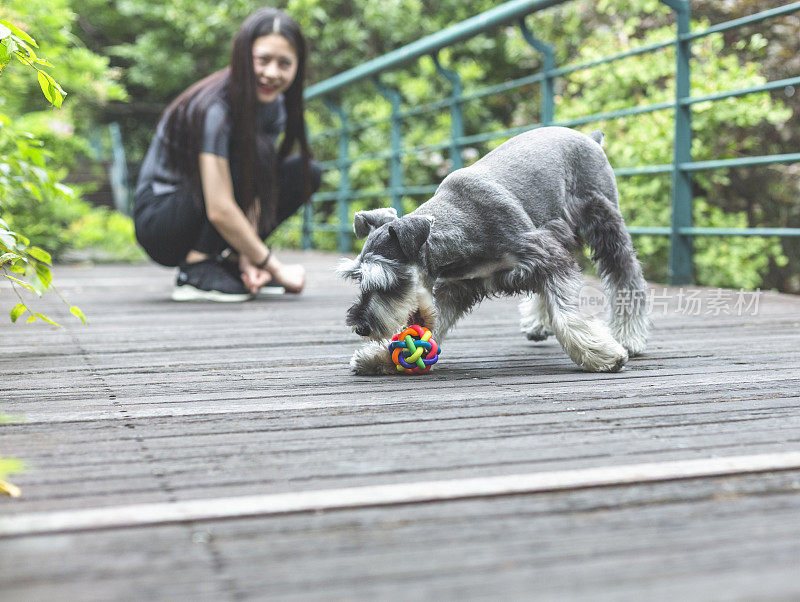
point(740, 162)
point(632, 171)
point(375, 192)
point(754, 18)
point(479, 93)
point(494, 89)
point(644, 170)
point(696, 231)
point(637, 230)
point(573, 68)
point(321, 227)
point(623, 171)
point(500, 15)
point(781, 83)
point(587, 119)
point(439, 104)
point(652, 169)
point(659, 106)
point(651, 230)
point(699, 231)
point(597, 117)
point(320, 197)
point(567, 69)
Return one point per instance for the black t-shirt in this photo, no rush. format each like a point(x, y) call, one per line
point(270, 122)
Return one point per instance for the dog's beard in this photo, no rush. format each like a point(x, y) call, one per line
point(418, 311)
point(388, 315)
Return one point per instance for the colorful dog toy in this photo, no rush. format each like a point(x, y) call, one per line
point(413, 350)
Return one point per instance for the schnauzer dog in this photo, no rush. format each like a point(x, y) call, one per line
point(510, 223)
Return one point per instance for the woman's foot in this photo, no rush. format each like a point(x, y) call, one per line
point(207, 280)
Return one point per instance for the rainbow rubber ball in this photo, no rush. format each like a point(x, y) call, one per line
point(414, 351)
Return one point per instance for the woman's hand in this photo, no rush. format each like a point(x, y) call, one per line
point(292, 277)
point(253, 277)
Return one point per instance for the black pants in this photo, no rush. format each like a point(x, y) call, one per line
point(168, 226)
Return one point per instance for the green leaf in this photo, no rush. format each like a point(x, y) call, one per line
point(8, 239)
point(46, 319)
point(22, 283)
point(17, 311)
point(47, 89)
point(17, 32)
point(39, 254)
point(11, 46)
point(31, 319)
point(44, 274)
point(76, 311)
point(51, 89)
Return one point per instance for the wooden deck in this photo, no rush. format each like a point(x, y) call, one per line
point(204, 451)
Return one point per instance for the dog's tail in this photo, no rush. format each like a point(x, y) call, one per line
point(597, 136)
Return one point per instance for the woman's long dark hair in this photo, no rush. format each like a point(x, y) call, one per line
point(236, 85)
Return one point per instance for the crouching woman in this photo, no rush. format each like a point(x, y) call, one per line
point(213, 185)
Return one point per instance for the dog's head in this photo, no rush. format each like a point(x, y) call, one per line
point(390, 295)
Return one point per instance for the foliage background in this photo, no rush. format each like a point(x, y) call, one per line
point(124, 60)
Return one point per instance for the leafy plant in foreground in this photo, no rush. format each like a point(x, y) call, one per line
point(23, 177)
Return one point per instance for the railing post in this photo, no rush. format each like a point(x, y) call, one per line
point(681, 245)
point(307, 241)
point(118, 176)
point(344, 234)
point(456, 113)
point(396, 139)
point(548, 112)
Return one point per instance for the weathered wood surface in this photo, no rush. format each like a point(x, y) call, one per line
point(157, 402)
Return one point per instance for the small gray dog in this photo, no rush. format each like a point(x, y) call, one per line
point(507, 224)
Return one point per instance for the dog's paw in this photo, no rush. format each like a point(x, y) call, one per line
point(534, 320)
point(373, 359)
point(609, 358)
point(589, 344)
point(537, 333)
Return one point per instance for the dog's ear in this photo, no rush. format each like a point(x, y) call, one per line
point(411, 233)
point(365, 222)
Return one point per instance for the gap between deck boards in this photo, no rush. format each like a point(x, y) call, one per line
point(150, 514)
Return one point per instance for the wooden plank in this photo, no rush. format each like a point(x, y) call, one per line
point(404, 493)
point(728, 537)
point(158, 403)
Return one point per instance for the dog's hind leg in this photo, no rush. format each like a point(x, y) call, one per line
point(585, 339)
point(603, 228)
point(551, 271)
point(534, 323)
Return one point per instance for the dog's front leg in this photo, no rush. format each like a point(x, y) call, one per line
point(373, 359)
point(452, 300)
point(534, 322)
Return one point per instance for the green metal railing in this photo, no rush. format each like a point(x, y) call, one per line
point(680, 231)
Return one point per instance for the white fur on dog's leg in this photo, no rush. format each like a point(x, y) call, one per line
point(534, 322)
point(632, 335)
point(629, 322)
point(373, 359)
point(588, 342)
